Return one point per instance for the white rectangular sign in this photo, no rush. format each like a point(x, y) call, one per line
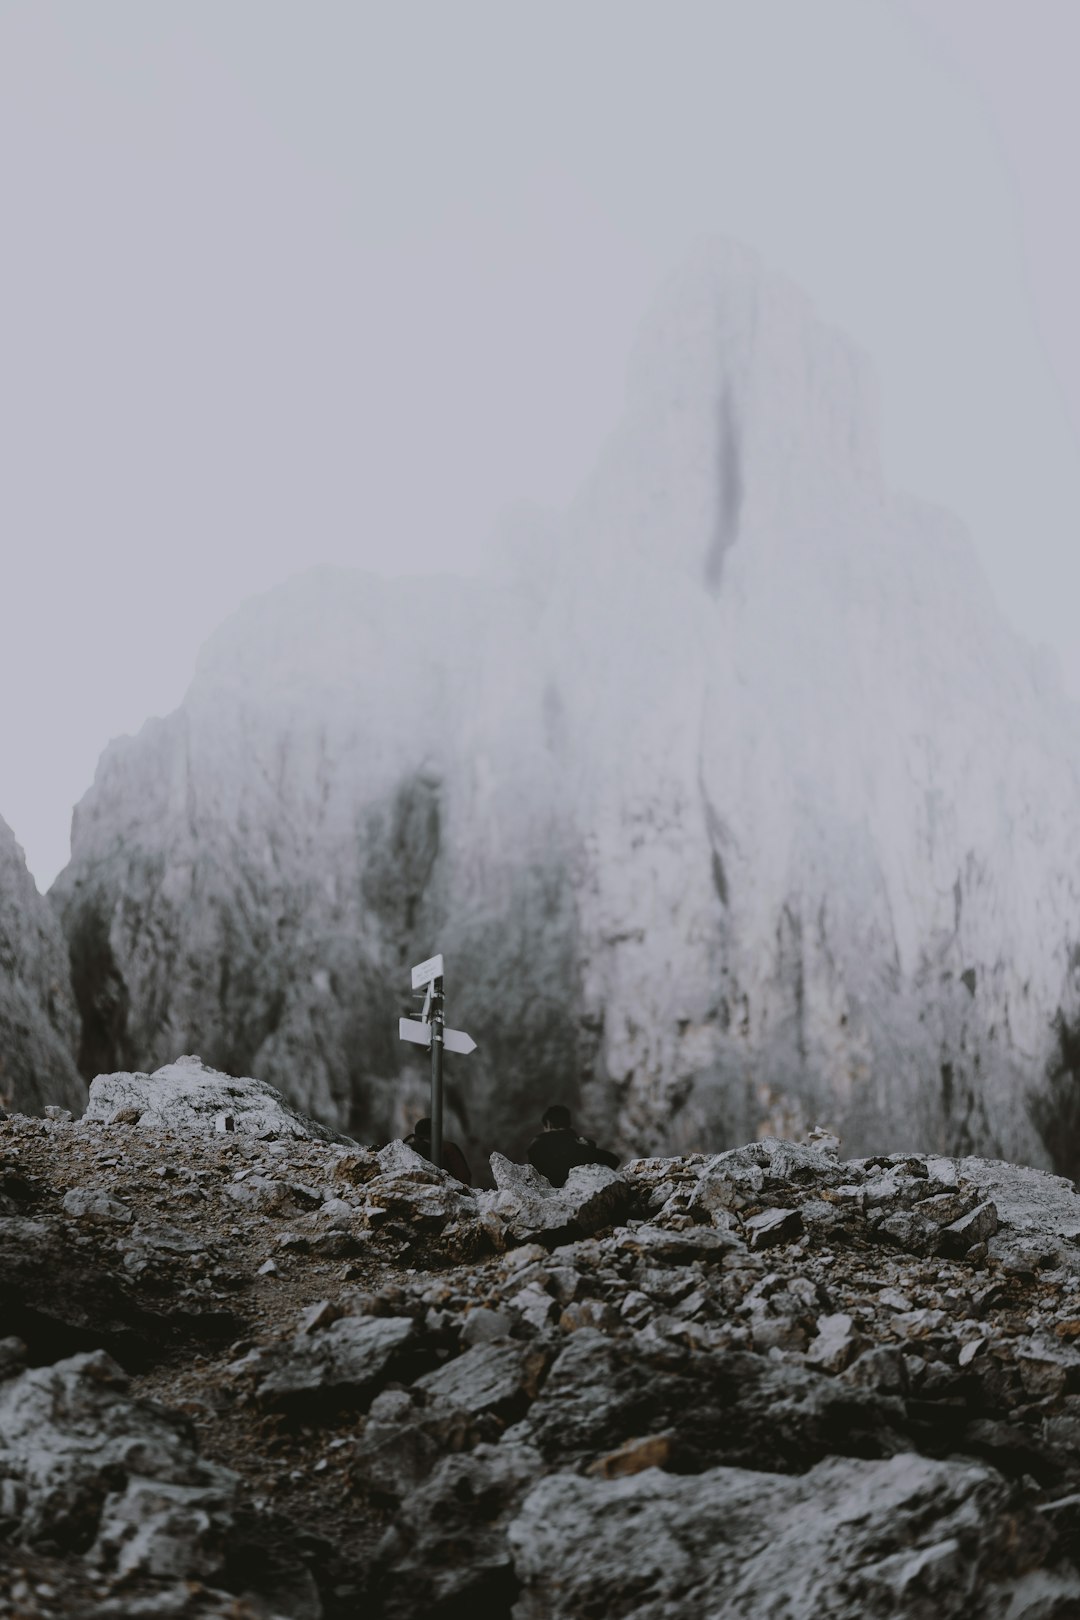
point(454, 1040)
point(424, 972)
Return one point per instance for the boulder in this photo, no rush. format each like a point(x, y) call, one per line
point(188, 1096)
point(730, 1407)
point(772, 1226)
point(530, 1208)
point(497, 1378)
point(93, 1470)
point(61, 1299)
point(849, 1539)
point(344, 1364)
point(447, 1552)
point(94, 1205)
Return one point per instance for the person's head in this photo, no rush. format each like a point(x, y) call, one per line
point(556, 1118)
point(423, 1128)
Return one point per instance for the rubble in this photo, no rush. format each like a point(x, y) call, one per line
point(700, 1385)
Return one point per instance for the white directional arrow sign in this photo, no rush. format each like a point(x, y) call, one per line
point(455, 1040)
point(424, 972)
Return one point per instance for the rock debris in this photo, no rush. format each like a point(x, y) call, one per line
point(265, 1373)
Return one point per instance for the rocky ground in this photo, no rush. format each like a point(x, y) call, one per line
point(248, 1370)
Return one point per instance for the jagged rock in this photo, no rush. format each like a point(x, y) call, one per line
point(668, 1344)
point(534, 1304)
point(720, 1406)
point(681, 1247)
point(39, 1021)
point(849, 1539)
point(402, 1443)
point(529, 1207)
point(447, 1551)
point(588, 1313)
point(260, 1194)
point(772, 1226)
point(188, 1096)
point(345, 1363)
point(909, 1231)
point(398, 1158)
point(61, 1300)
point(482, 1326)
point(497, 1378)
point(94, 1470)
point(158, 1248)
point(426, 1195)
point(91, 1204)
point(836, 1343)
point(975, 1227)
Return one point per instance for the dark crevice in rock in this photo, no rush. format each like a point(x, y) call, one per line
point(101, 994)
point(729, 490)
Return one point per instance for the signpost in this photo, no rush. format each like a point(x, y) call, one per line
point(430, 1030)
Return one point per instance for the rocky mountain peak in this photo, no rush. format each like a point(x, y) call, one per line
point(744, 411)
point(740, 810)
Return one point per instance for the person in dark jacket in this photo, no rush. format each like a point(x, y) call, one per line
point(453, 1160)
point(558, 1148)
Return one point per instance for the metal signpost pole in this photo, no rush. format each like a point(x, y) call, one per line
point(436, 1071)
point(430, 1030)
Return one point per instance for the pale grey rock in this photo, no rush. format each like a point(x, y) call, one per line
point(837, 1342)
point(345, 1361)
point(39, 1020)
point(421, 1194)
point(320, 1315)
point(772, 1226)
point(528, 1206)
point(262, 1195)
point(977, 1226)
point(850, 1539)
point(1038, 1213)
point(590, 1313)
point(691, 1243)
point(908, 1230)
point(534, 1304)
point(497, 1378)
point(92, 1205)
point(398, 1158)
point(482, 1326)
point(186, 1095)
point(86, 1461)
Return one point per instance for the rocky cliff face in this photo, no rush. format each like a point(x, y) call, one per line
point(39, 1026)
point(256, 1373)
point(729, 797)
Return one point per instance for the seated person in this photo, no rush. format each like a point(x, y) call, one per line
point(558, 1148)
point(453, 1160)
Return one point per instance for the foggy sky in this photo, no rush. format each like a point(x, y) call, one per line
point(289, 284)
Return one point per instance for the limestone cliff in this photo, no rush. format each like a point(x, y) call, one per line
point(38, 1021)
point(730, 797)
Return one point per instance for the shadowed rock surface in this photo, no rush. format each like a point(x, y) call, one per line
point(39, 1023)
point(436, 1401)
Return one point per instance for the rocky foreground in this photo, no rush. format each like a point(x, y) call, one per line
point(247, 1370)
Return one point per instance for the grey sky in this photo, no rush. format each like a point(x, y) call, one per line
point(285, 284)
